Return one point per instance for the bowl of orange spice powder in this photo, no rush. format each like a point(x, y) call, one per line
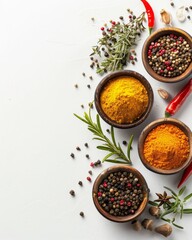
point(165, 146)
point(124, 98)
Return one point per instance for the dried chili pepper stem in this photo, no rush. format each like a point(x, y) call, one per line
point(186, 174)
point(150, 15)
point(178, 100)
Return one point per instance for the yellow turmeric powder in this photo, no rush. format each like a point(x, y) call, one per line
point(124, 99)
point(166, 147)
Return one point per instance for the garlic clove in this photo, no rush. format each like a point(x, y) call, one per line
point(163, 93)
point(180, 14)
point(165, 17)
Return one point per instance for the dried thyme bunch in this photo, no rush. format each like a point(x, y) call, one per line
point(173, 204)
point(115, 152)
point(114, 48)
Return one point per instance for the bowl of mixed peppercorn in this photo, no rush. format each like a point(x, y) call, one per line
point(167, 55)
point(120, 193)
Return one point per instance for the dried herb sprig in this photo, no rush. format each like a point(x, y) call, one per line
point(173, 204)
point(114, 48)
point(116, 154)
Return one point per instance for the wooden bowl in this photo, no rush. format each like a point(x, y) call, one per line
point(125, 73)
point(148, 129)
point(145, 192)
point(156, 35)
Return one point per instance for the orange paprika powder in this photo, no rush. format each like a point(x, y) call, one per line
point(166, 147)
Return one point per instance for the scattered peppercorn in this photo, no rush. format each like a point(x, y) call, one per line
point(121, 17)
point(86, 145)
point(187, 9)
point(190, 7)
point(91, 58)
point(88, 85)
point(92, 164)
point(90, 172)
point(78, 148)
point(90, 77)
point(93, 19)
point(82, 106)
point(82, 214)
point(72, 155)
point(120, 193)
point(72, 192)
point(83, 74)
point(188, 17)
point(124, 142)
point(108, 130)
point(89, 179)
point(80, 183)
point(172, 4)
point(76, 85)
point(87, 156)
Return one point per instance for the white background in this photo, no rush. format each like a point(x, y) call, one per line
point(44, 48)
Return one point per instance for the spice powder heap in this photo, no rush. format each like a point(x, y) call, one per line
point(166, 147)
point(124, 99)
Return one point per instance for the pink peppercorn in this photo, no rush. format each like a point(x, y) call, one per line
point(102, 28)
point(131, 57)
point(112, 199)
point(104, 184)
point(129, 204)
point(92, 164)
point(121, 202)
point(89, 179)
point(129, 185)
point(99, 194)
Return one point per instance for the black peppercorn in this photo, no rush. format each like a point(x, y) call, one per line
point(78, 148)
point(72, 192)
point(72, 155)
point(86, 145)
point(82, 214)
point(87, 156)
point(80, 183)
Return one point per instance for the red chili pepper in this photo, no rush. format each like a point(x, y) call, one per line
point(187, 172)
point(178, 100)
point(150, 15)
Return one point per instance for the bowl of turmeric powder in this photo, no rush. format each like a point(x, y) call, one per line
point(165, 146)
point(124, 99)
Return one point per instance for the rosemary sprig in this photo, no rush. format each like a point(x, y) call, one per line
point(114, 48)
point(116, 154)
point(173, 205)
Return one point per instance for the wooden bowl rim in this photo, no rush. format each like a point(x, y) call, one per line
point(155, 35)
point(103, 175)
point(149, 128)
point(110, 77)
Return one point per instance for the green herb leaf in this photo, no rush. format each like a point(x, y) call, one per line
point(187, 197)
point(178, 226)
point(187, 211)
point(171, 191)
point(181, 191)
point(129, 147)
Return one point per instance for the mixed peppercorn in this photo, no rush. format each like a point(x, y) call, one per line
point(170, 55)
point(120, 194)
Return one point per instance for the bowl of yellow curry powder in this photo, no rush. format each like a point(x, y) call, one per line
point(165, 146)
point(124, 99)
